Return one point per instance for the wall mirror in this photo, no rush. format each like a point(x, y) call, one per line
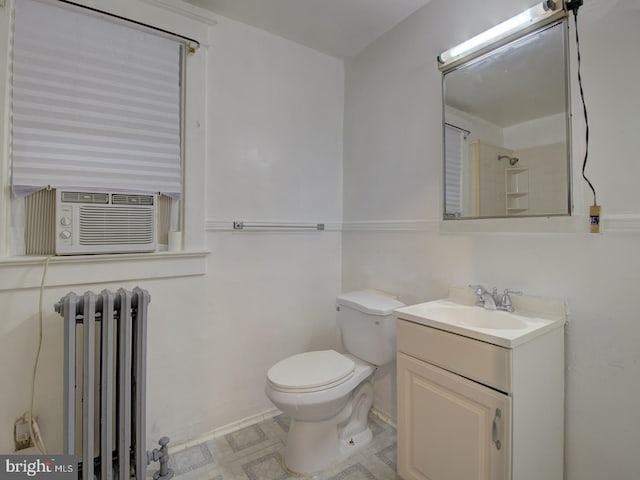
point(506, 130)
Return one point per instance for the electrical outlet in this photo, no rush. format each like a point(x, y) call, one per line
point(21, 433)
point(594, 218)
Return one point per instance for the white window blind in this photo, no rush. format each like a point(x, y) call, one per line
point(452, 172)
point(96, 105)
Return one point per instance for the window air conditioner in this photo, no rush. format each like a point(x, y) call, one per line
point(104, 222)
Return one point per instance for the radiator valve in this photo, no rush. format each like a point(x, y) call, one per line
point(161, 455)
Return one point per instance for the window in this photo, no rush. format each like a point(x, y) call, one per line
point(96, 105)
point(453, 139)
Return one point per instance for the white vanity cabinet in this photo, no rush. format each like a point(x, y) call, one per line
point(472, 410)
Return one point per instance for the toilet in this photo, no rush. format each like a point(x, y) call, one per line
point(328, 394)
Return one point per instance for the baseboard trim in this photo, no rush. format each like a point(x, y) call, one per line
point(383, 417)
point(225, 429)
point(252, 420)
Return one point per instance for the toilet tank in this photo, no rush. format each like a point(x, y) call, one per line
point(367, 325)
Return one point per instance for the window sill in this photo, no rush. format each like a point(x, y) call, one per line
point(25, 272)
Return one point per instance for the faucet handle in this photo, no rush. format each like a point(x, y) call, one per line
point(508, 291)
point(505, 302)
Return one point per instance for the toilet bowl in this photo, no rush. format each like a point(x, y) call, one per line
point(328, 394)
point(321, 412)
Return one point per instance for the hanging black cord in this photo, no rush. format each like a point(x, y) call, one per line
point(584, 108)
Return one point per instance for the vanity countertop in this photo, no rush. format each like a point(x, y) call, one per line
point(458, 314)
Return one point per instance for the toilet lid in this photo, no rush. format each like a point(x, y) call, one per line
point(311, 370)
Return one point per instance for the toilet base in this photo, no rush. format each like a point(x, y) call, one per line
point(325, 453)
point(314, 446)
point(349, 446)
point(311, 446)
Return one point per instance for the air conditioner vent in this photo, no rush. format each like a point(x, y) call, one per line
point(84, 197)
point(111, 226)
point(128, 199)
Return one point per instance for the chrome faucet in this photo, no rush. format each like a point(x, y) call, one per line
point(486, 299)
point(491, 300)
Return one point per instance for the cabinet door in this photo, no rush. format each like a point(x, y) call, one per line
point(450, 428)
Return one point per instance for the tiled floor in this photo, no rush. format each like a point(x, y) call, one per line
point(254, 453)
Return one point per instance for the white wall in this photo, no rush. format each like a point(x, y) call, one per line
point(393, 172)
point(275, 143)
point(541, 131)
point(482, 129)
point(547, 177)
point(273, 134)
point(275, 155)
point(492, 183)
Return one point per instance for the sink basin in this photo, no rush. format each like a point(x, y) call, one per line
point(502, 328)
point(477, 317)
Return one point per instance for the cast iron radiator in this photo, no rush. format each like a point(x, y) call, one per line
point(105, 356)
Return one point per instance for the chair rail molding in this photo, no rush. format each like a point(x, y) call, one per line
point(391, 225)
point(224, 225)
point(560, 225)
point(621, 223)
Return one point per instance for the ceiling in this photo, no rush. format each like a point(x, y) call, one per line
point(340, 28)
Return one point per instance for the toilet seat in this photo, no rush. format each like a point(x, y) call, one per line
point(311, 372)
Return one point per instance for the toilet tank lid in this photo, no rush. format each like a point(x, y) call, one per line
point(372, 302)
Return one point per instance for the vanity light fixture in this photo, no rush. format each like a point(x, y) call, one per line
point(535, 17)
